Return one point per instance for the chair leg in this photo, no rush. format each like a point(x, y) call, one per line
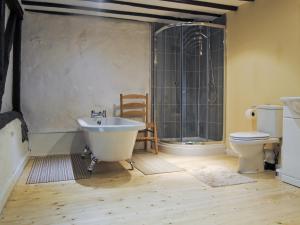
point(155, 139)
point(145, 142)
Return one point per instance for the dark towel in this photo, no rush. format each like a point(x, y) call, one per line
point(7, 117)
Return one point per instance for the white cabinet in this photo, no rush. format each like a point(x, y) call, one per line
point(290, 156)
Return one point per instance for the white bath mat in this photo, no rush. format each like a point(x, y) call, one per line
point(57, 168)
point(149, 164)
point(217, 176)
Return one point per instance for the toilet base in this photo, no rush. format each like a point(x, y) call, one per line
point(252, 164)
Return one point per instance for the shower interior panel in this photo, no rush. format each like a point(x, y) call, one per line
point(188, 83)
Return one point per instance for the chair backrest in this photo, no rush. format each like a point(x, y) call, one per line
point(134, 106)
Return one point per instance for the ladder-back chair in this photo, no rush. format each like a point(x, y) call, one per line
point(136, 106)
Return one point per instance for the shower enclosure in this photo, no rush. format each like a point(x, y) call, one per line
point(188, 82)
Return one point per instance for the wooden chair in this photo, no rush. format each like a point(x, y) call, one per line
point(137, 106)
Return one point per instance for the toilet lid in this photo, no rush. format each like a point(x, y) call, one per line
point(249, 136)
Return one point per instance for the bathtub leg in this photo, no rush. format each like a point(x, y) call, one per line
point(85, 152)
point(131, 164)
point(93, 163)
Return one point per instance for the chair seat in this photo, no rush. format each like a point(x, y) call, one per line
point(147, 129)
point(145, 139)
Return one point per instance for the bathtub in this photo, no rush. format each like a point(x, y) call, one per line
point(110, 139)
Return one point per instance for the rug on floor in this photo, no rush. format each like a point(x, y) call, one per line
point(150, 164)
point(57, 168)
point(218, 176)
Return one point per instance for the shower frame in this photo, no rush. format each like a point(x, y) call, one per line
point(205, 24)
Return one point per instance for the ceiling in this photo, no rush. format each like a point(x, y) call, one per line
point(162, 11)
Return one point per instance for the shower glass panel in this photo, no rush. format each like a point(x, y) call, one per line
point(187, 82)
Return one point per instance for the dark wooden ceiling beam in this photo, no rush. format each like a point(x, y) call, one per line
point(8, 44)
point(2, 42)
point(99, 10)
point(204, 4)
point(9, 38)
point(155, 7)
point(15, 6)
point(16, 96)
point(49, 7)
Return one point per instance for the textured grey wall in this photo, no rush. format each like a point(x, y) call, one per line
point(73, 64)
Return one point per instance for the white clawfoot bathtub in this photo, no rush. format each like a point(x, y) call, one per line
point(110, 139)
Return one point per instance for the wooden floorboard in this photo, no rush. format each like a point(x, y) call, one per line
point(117, 196)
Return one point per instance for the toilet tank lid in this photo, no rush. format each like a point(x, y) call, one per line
point(270, 107)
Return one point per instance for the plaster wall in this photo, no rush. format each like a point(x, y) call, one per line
point(73, 64)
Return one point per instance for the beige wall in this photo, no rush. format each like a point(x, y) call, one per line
point(263, 57)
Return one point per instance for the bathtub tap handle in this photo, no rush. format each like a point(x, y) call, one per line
point(98, 114)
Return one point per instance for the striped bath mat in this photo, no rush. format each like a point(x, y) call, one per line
point(57, 168)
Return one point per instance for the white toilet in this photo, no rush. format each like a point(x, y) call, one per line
point(250, 145)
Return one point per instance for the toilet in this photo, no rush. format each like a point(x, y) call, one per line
point(250, 145)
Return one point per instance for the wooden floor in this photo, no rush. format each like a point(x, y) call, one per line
point(118, 196)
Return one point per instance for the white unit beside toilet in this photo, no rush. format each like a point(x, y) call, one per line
point(290, 157)
point(250, 145)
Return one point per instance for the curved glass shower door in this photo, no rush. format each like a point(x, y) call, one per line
point(188, 84)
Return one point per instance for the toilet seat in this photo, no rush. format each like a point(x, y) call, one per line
point(249, 136)
point(252, 138)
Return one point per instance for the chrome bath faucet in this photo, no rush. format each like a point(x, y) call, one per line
point(95, 114)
